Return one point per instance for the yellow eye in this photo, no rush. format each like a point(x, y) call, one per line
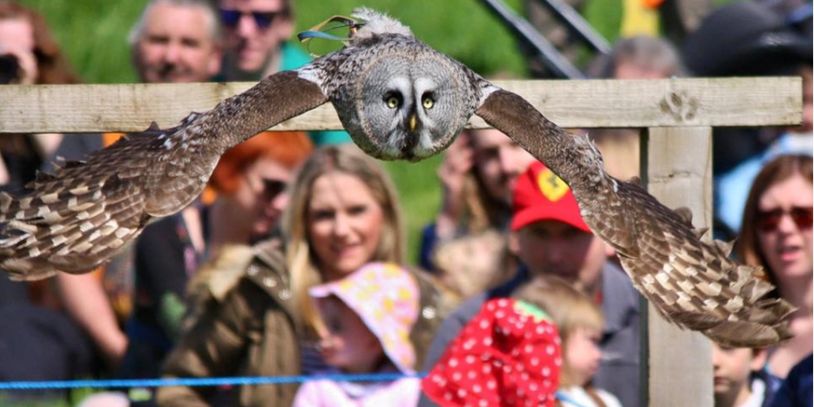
point(428, 103)
point(392, 102)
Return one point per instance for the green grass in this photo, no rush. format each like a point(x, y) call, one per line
point(94, 32)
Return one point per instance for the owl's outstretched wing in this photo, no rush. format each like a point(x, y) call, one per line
point(78, 217)
point(691, 282)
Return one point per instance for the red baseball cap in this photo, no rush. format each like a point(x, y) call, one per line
point(541, 195)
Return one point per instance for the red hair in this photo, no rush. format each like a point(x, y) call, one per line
point(287, 148)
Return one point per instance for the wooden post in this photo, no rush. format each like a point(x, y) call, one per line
point(677, 169)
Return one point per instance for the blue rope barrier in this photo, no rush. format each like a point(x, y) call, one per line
point(198, 381)
point(215, 381)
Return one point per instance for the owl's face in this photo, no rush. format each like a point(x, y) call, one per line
point(406, 105)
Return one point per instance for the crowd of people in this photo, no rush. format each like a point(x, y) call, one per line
point(293, 260)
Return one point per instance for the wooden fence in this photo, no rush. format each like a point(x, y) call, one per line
point(676, 156)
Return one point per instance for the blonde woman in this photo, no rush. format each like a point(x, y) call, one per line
point(257, 318)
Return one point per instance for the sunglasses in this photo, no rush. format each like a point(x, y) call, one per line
point(263, 19)
point(272, 188)
point(767, 221)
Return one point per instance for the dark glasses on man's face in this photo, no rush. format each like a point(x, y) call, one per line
point(768, 221)
point(263, 19)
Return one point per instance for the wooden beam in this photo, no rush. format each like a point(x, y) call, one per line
point(574, 104)
point(677, 169)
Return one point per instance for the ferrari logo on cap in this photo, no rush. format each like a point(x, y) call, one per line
point(551, 185)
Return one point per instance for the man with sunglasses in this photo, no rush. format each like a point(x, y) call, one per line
point(256, 45)
point(257, 32)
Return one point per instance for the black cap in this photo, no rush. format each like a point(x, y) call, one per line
point(745, 38)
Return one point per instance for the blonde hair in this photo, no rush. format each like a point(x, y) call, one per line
point(347, 159)
point(570, 309)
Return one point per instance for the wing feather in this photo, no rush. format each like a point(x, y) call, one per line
point(78, 217)
point(691, 282)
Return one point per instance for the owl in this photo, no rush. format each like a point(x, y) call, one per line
point(399, 99)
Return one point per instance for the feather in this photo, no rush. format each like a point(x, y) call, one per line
point(376, 23)
point(692, 283)
point(78, 217)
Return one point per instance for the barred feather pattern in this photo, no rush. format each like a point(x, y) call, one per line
point(83, 212)
point(80, 216)
point(75, 219)
point(692, 282)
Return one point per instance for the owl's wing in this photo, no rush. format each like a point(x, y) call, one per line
point(78, 217)
point(691, 282)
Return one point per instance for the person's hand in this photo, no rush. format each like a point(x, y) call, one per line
point(458, 161)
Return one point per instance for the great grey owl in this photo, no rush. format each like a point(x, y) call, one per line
point(399, 99)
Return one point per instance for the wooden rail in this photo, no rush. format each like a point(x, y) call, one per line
point(575, 104)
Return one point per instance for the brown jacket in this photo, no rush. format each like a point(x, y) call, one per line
point(245, 326)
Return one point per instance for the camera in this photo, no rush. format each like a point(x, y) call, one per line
point(10, 69)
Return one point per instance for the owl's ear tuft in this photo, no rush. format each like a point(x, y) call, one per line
point(377, 23)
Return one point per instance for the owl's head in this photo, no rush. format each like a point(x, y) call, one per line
point(404, 100)
point(397, 97)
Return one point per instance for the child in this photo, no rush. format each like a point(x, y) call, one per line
point(580, 323)
point(507, 355)
point(366, 318)
point(737, 377)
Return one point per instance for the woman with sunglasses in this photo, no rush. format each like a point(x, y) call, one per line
point(776, 234)
point(249, 182)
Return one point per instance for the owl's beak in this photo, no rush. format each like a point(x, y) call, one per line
point(412, 122)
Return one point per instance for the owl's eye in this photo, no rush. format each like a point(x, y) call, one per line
point(428, 102)
point(392, 100)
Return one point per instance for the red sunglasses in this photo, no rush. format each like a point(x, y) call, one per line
point(767, 221)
